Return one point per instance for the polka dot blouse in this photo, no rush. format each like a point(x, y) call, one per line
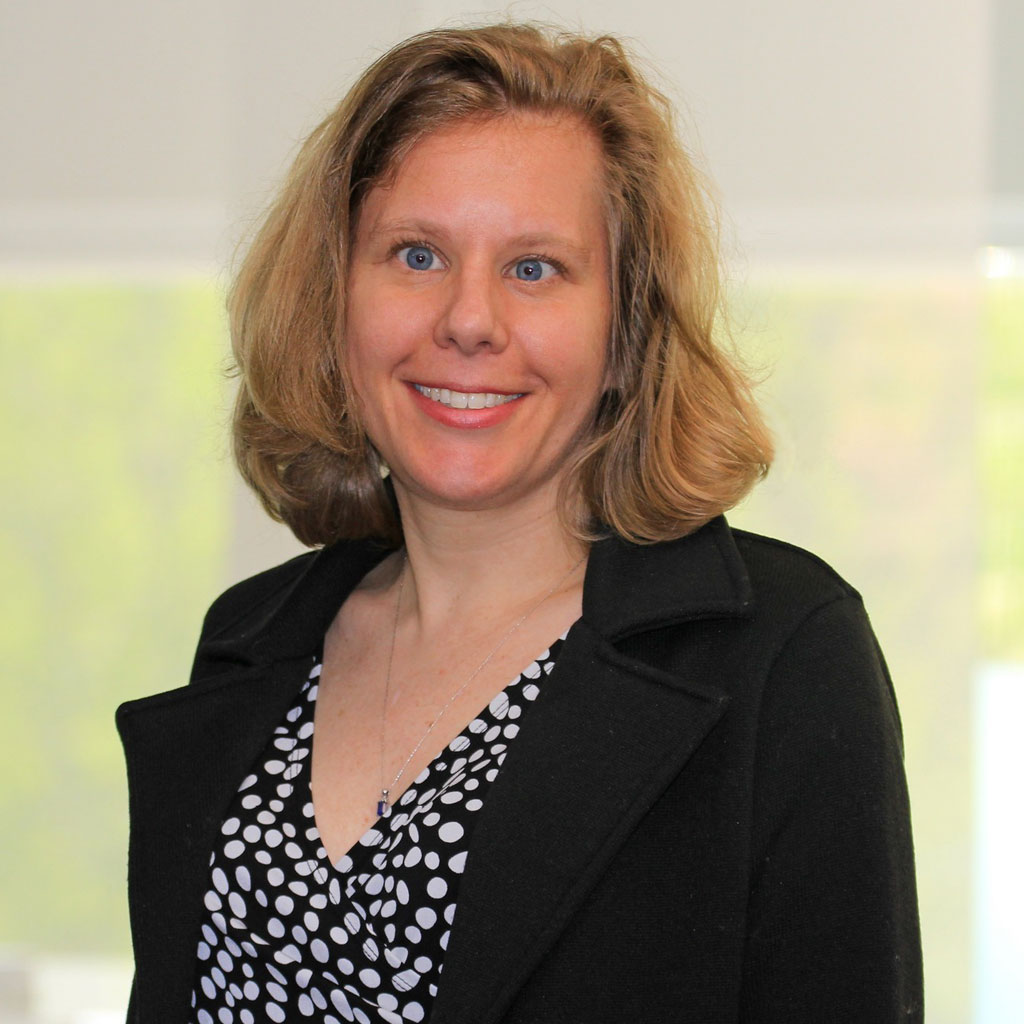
point(287, 935)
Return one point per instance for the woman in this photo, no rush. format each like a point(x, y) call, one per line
point(474, 338)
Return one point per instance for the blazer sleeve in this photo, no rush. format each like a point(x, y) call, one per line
point(832, 920)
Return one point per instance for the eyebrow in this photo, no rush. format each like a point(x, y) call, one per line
point(548, 241)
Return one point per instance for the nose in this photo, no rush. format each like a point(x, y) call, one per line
point(472, 316)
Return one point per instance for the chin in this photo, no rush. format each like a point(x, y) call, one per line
point(472, 497)
point(471, 492)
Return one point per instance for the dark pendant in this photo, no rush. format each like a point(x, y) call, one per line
point(382, 804)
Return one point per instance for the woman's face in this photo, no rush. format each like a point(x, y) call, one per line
point(478, 309)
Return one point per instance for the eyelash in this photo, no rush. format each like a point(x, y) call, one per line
point(413, 243)
point(419, 243)
point(540, 258)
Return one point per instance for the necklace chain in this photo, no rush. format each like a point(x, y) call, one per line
point(383, 805)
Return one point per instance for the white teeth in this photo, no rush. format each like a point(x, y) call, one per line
point(465, 399)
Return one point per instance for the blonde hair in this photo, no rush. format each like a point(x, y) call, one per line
point(677, 438)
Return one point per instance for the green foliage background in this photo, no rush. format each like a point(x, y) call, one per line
point(112, 532)
point(1001, 459)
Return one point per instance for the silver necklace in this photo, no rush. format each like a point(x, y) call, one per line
point(383, 806)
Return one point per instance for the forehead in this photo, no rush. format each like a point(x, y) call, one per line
point(523, 164)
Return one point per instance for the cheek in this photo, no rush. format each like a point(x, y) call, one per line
point(572, 334)
point(581, 347)
point(362, 364)
point(366, 343)
point(353, 356)
point(383, 328)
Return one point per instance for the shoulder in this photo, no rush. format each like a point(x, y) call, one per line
point(237, 621)
point(282, 613)
point(799, 627)
point(802, 666)
point(808, 609)
point(712, 575)
point(824, 662)
point(793, 589)
point(250, 596)
point(780, 570)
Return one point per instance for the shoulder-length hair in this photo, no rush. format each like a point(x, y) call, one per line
point(677, 438)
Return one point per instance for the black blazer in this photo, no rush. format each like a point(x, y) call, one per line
point(704, 818)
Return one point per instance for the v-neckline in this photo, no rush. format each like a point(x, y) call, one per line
point(323, 857)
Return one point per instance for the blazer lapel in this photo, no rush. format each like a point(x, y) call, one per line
point(187, 750)
point(606, 737)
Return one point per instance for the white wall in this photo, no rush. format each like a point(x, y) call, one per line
point(145, 131)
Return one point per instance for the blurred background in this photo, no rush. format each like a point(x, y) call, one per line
point(870, 163)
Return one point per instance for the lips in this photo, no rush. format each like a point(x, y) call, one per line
point(466, 399)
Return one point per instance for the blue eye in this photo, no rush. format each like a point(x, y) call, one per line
point(417, 257)
point(533, 270)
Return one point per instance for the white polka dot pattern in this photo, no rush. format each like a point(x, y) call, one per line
point(286, 935)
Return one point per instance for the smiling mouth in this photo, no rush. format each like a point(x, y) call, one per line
point(465, 399)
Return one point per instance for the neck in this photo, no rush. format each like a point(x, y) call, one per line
point(484, 563)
